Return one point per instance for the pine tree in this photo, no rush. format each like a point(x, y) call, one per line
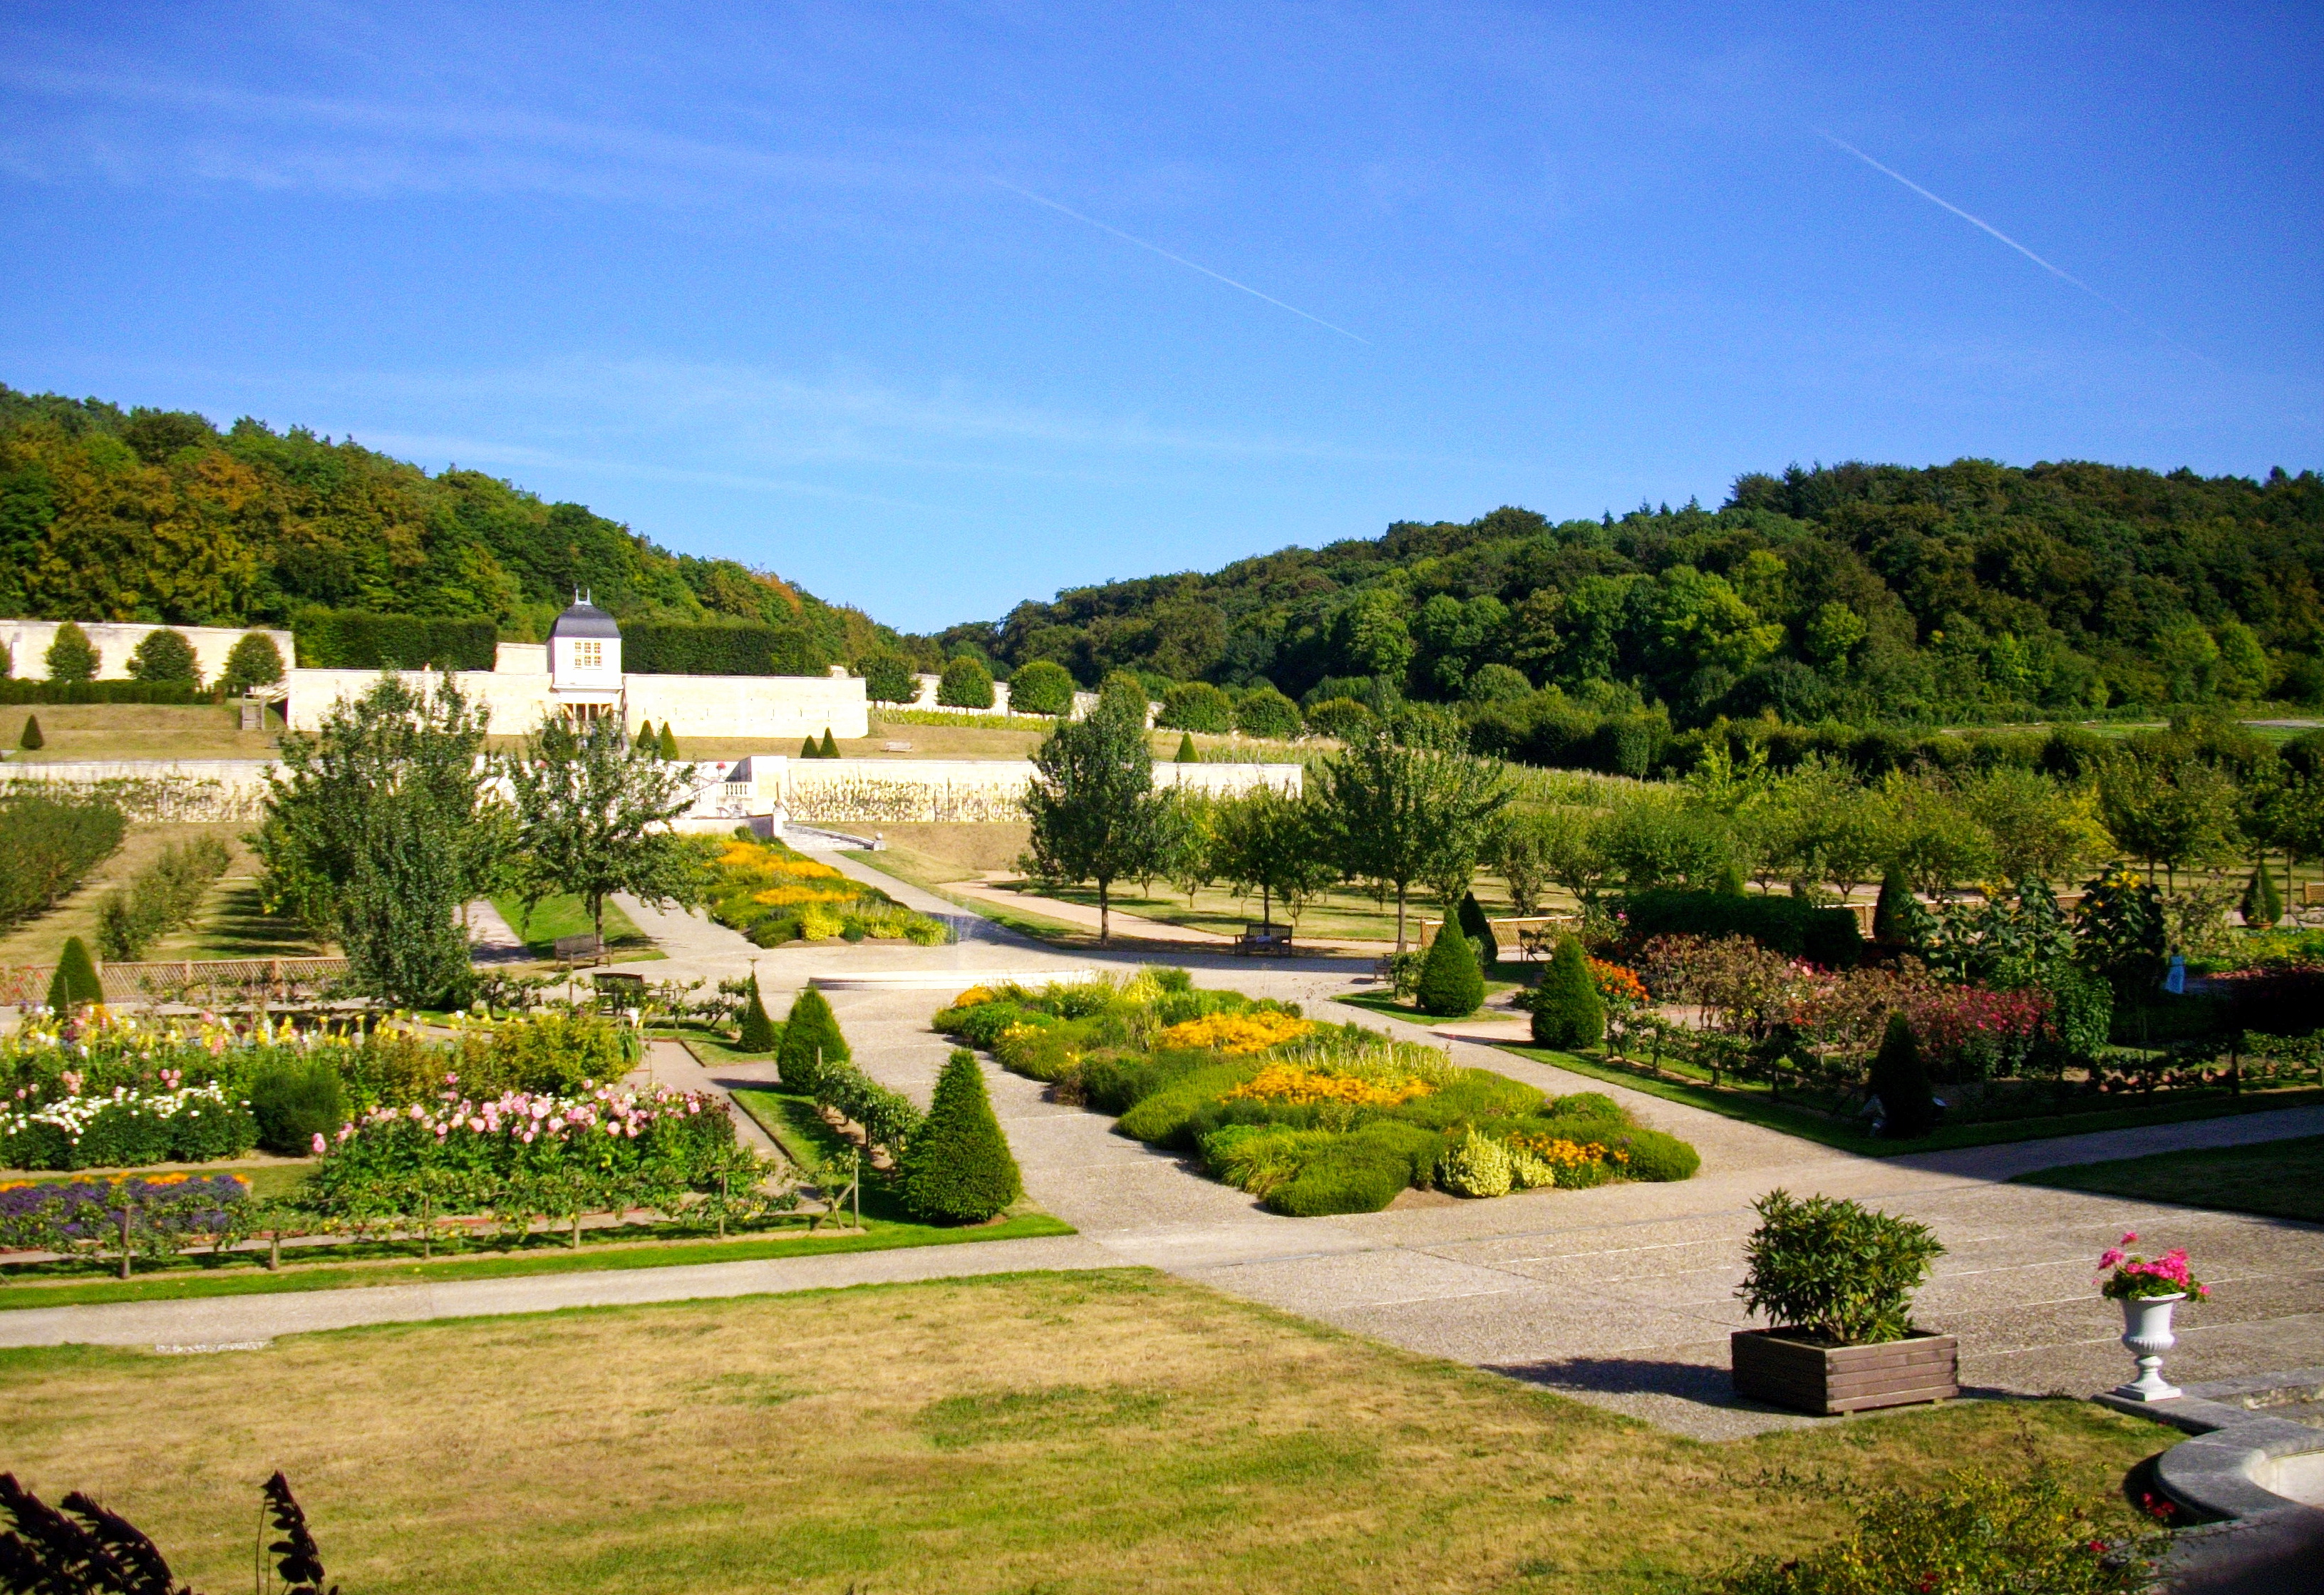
point(1901, 1081)
point(758, 1029)
point(2262, 906)
point(1477, 927)
point(1186, 754)
point(669, 742)
point(1450, 986)
point(1567, 1011)
point(830, 748)
point(1891, 917)
point(75, 981)
point(958, 1168)
point(32, 738)
point(811, 1038)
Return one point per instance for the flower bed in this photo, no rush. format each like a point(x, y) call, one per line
point(775, 894)
point(1311, 1119)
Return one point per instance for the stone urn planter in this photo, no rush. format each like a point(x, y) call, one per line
point(2146, 1335)
point(1787, 1368)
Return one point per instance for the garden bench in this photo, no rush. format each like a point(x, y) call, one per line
point(620, 988)
point(572, 949)
point(1264, 939)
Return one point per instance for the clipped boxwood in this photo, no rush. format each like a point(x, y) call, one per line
point(1361, 1172)
point(1042, 686)
point(957, 1168)
point(1828, 937)
point(811, 1041)
point(1450, 986)
point(1567, 1011)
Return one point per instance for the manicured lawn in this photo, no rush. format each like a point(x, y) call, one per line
point(917, 869)
point(1057, 1431)
point(711, 1046)
point(2278, 1179)
point(557, 916)
point(1383, 1001)
point(799, 1130)
point(1753, 1104)
point(136, 731)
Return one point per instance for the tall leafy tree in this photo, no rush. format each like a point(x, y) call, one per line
point(1401, 814)
point(1095, 814)
point(593, 817)
point(1277, 845)
point(380, 827)
point(165, 656)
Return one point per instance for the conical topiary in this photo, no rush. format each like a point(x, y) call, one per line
point(830, 748)
point(1901, 1081)
point(2262, 906)
point(1451, 986)
point(647, 742)
point(811, 1038)
point(1186, 754)
point(1891, 917)
point(958, 1168)
point(668, 741)
point(758, 1031)
point(1567, 1011)
point(807, 750)
point(75, 981)
point(1477, 928)
point(31, 737)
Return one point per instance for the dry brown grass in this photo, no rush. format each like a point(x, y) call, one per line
point(971, 847)
point(1072, 1431)
point(134, 731)
point(229, 924)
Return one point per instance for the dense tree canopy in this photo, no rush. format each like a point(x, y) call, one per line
point(156, 515)
point(1860, 592)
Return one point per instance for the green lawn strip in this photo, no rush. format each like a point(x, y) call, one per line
point(1756, 1108)
point(709, 1046)
point(555, 916)
point(1040, 928)
point(1383, 1002)
point(2276, 1179)
point(879, 1235)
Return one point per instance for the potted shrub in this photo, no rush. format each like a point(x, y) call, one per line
point(1837, 1279)
point(2149, 1291)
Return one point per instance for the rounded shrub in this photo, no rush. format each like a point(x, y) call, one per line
point(165, 656)
point(1341, 717)
point(1651, 1154)
point(1567, 1011)
point(1265, 712)
point(811, 1039)
point(1198, 706)
point(887, 678)
point(1121, 693)
point(1450, 986)
point(75, 981)
point(1497, 683)
point(1042, 686)
point(758, 1033)
point(294, 1100)
point(957, 1168)
point(1475, 1166)
point(966, 684)
point(255, 662)
point(1900, 1079)
point(71, 656)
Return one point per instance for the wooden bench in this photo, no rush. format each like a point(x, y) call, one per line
point(1272, 939)
point(572, 949)
point(620, 987)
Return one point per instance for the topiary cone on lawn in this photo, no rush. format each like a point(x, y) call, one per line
point(1892, 918)
point(1450, 986)
point(1901, 1081)
point(958, 1168)
point(811, 1038)
point(647, 742)
point(1186, 754)
point(758, 1031)
point(31, 737)
point(830, 748)
point(668, 741)
point(807, 750)
point(75, 981)
point(1477, 927)
point(2262, 906)
point(1567, 1011)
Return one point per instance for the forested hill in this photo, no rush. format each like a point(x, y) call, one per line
point(156, 515)
point(1860, 592)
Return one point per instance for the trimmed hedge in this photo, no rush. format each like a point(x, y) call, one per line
point(1267, 712)
point(1197, 705)
point(1828, 937)
point(1450, 986)
point(101, 692)
point(1042, 686)
point(1567, 1011)
point(363, 639)
point(811, 1045)
point(674, 648)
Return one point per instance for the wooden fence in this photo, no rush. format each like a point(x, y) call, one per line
point(203, 981)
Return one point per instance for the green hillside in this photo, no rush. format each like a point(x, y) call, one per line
point(156, 515)
point(1861, 593)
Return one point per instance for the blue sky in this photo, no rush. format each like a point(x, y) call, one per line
point(832, 289)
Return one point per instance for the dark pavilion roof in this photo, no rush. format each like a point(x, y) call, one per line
point(584, 619)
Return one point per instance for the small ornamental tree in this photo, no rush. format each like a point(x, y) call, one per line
point(1094, 812)
point(1265, 712)
point(2262, 908)
point(165, 656)
point(957, 1168)
point(1450, 986)
point(669, 743)
point(830, 748)
point(71, 656)
point(758, 1031)
point(1186, 754)
point(965, 684)
point(1893, 923)
point(32, 739)
point(888, 679)
point(75, 981)
point(1042, 686)
point(1477, 927)
point(811, 1039)
point(1567, 1011)
point(255, 662)
point(1901, 1081)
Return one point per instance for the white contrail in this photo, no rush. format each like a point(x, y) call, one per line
point(1180, 259)
point(1985, 226)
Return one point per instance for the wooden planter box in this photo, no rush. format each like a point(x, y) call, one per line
point(1808, 1377)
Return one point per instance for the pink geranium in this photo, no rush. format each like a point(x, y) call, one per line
point(2137, 1278)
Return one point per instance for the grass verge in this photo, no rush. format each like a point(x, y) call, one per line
point(555, 916)
point(1384, 1003)
point(2276, 1179)
point(806, 1139)
point(930, 875)
point(1086, 1431)
point(1756, 1107)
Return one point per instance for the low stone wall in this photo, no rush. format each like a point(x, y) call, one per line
point(896, 790)
point(27, 642)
